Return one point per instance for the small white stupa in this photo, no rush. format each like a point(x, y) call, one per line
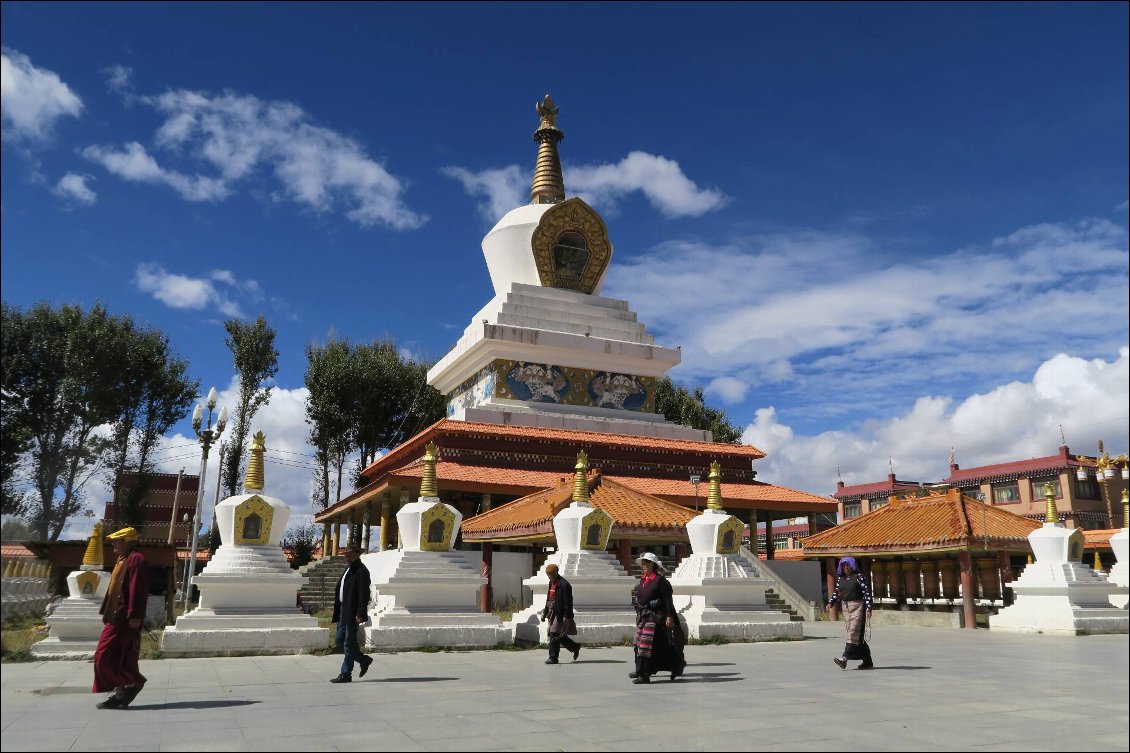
point(602, 588)
point(1119, 574)
point(1056, 594)
point(428, 594)
point(248, 592)
point(715, 593)
point(75, 625)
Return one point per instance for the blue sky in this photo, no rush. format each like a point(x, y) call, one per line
point(877, 231)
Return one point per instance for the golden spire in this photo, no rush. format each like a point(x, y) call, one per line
point(1098, 565)
point(581, 479)
point(253, 482)
point(94, 551)
point(714, 496)
point(428, 486)
point(549, 186)
point(1052, 515)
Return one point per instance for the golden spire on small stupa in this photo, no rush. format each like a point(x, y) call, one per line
point(428, 486)
point(1052, 514)
point(94, 550)
point(1125, 508)
point(549, 186)
point(253, 481)
point(714, 496)
point(581, 479)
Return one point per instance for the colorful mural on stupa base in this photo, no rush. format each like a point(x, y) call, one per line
point(560, 385)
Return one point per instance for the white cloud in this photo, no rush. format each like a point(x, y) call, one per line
point(119, 79)
point(728, 389)
point(32, 99)
point(1123, 206)
point(658, 178)
point(240, 138)
point(135, 164)
point(1017, 420)
point(73, 186)
point(837, 314)
point(212, 292)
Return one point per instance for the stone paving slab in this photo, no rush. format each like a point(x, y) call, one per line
point(932, 689)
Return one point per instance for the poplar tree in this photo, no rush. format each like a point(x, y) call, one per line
point(256, 363)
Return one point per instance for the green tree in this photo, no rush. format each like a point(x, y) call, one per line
point(14, 529)
point(15, 435)
point(256, 362)
point(689, 408)
point(301, 539)
point(331, 408)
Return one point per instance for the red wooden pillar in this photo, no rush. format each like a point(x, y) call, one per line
point(1007, 577)
point(624, 553)
point(770, 546)
point(682, 550)
point(830, 582)
point(486, 594)
point(965, 562)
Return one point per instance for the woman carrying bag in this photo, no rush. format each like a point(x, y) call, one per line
point(659, 636)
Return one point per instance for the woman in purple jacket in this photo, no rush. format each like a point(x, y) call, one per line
point(852, 593)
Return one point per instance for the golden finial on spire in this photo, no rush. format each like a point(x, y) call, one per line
point(581, 479)
point(714, 496)
point(254, 479)
point(549, 186)
point(94, 550)
point(1125, 508)
point(428, 486)
point(1052, 514)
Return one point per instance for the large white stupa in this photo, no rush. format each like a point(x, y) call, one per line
point(548, 350)
point(248, 592)
point(76, 624)
point(714, 592)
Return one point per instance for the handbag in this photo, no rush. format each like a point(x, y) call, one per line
point(569, 626)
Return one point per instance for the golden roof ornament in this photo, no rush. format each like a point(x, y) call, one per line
point(253, 481)
point(549, 186)
point(428, 486)
point(1052, 515)
point(580, 479)
point(1125, 508)
point(93, 558)
point(714, 496)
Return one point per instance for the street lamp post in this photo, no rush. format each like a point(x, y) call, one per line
point(206, 437)
point(695, 479)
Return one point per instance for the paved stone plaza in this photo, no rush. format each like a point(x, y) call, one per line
point(932, 689)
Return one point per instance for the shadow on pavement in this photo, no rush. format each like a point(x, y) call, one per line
point(897, 667)
point(597, 661)
point(189, 705)
point(710, 664)
point(62, 691)
point(413, 679)
point(710, 677)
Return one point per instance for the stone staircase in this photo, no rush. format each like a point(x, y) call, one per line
point(322, 577)
point(777, 604)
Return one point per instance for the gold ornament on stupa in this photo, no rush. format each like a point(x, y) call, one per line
point(1052, 514)
point(581, 479)
point(428, 487)
point(714, 496)
point(93, 558)
point(549, 186)
point(253, 481)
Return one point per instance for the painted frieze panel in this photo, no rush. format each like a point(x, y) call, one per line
point(730, 535)
point(437, 528)
point(253, 518)
point(596, 527)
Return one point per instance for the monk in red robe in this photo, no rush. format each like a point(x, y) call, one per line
point(123, 612)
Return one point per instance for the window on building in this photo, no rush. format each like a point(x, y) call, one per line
point(879, 502)
point(852, 510)
point(1087, 489)
point(973, 492)
point(1040, 488)
point(1006, 492)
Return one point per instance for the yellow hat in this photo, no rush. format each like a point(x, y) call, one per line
point(125, 534)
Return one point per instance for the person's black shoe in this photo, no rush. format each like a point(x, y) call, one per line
point(633, 675)
point(642, 680)
point(343, 678)
point(550, 661)
point(366, 662)
point(866, 665)
point(841, 663)
point(576, 653)
point(113, 702)
point(129, 693)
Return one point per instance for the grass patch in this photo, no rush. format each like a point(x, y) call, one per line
point(715, 640)
point(16, 636)
point(431, 649)
point(505, 610)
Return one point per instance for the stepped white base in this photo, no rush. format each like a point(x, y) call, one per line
point(238, 632)
point(75, 627)
point(1062, 598)
point(718, 598)
point(429, 599)
point(602, 599)
point(1119, 575)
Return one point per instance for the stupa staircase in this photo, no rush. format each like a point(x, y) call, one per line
point(781, 596)
point(322, 577)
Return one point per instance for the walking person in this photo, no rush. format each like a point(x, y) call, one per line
point(559, 611)
point(351, 604)
point(123, 613)
point(659, 635)
point(852, 593)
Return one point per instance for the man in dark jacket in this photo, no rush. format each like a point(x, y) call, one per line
point(351, 602)
point(559, 611)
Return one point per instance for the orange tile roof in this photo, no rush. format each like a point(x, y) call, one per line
point(1098, 538)
point(414, 446)
point(487, 475)
point(16, 551)
point(766, 496)
point(945, 520)
point(533, 514)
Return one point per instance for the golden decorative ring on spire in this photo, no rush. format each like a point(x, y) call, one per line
point(580, 478)
point(428, 487)
point(254, 479)
point(714, 496)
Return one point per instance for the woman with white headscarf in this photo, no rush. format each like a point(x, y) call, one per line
point(659, 636)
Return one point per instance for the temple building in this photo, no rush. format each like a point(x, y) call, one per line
point(549, 367)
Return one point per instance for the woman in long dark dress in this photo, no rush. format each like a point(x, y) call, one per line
point(659, 636)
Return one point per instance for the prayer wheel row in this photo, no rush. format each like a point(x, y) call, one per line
point(932, 579)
